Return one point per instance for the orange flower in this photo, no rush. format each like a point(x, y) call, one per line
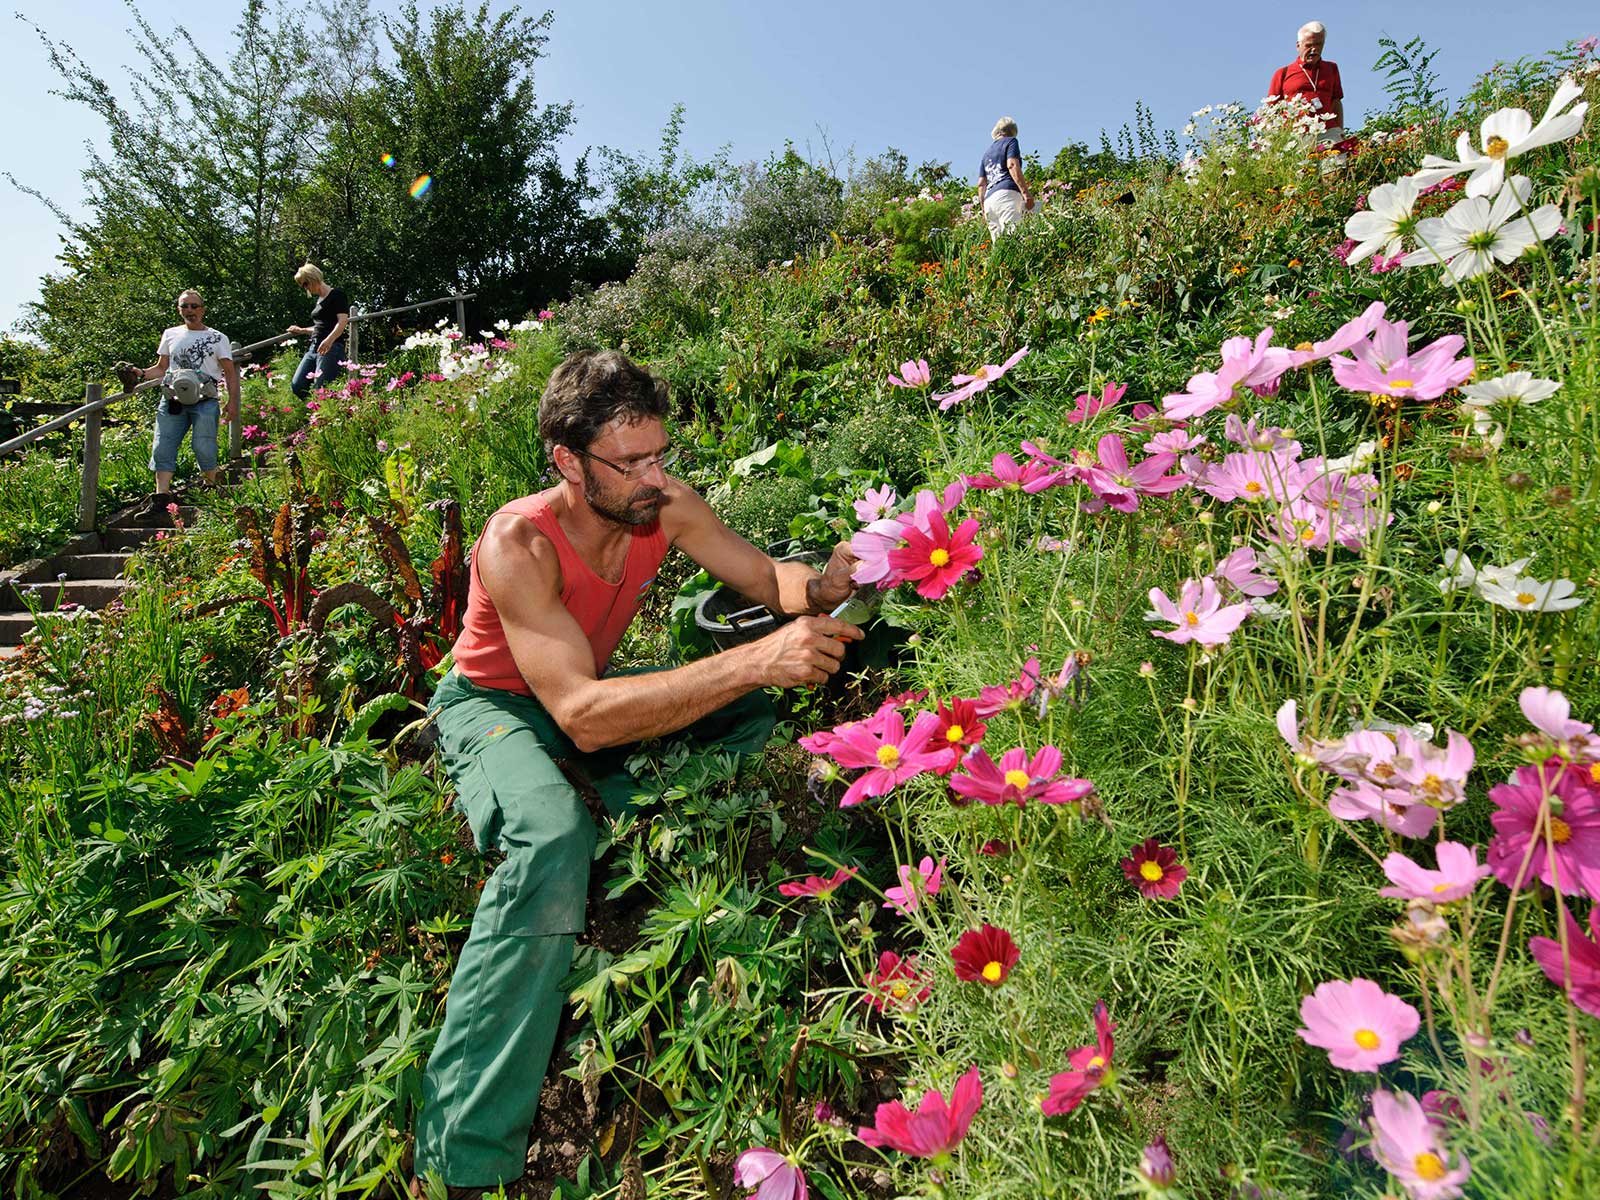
point(447, 858)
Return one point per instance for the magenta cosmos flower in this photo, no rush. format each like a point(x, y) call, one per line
point(1457, 876)
point(960, 729)
point(889, 756)
point(937, 559)
point(1550, 713)
point(1579, 979)
point(896, 983)
point(1087, 407)
point(985, 955)
point(1005, 472)
point(772, 1175)
point(935, 1129)
point(1382, 366)
point(817, 887)
point(999, 697)
point(1155, 870)
point(1016, 779)
point(872, 544)
point(1406, 1144)
point(1119, 484)
point(1090, 1065)
point(924, 879)
point(1156, 1166)
point(1241, 572)
point(968, 386)
point(1561, 794)
point(1199, 615)
point(914, 373)
point(1359, 1024)
point(877, 504)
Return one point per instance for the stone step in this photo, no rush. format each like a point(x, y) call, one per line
point(126, 539)
point(12, 626)
point(9, 652)
point(187, 513)
point(90, 593)
point(79, 566)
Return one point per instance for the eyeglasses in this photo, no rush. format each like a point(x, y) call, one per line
point(638, 470)
point(184, 306)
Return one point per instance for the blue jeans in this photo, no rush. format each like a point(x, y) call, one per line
point(198, 420)
point(327, 367)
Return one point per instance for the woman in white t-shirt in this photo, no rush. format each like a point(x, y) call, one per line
point(189, 403)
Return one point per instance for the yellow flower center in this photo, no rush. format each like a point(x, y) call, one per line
point(1526, 598)
point(1560, 831)
point(899, 989)
point(1305, 347)
point(1401, 383)
point(1366, 1039)
point(888, 756)
point(939, 557)
point(1095, 1063)
point(954, 734)
point(1151, 871)
point(1017, 779)
point(1253, 486)
point(1431, 784)
point(981, 373)
point(1594, 772)
point(1496, 147)
point(1440, 887)
point(1191, 619)
point(1428, 1165)
point(992, 972)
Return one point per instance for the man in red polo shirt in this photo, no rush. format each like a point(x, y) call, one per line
point(1313, 77)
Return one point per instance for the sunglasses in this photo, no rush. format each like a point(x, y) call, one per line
point(637, 470)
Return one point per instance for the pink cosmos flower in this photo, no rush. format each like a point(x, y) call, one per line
point(1253, 475)
point(1522, 815)
point(1359, 1024)
point(924, 879)
point(914, 373)
point(999, 697)
point(1363, 800)
point(872, 545)
point(1245, 364)
point(1382, 366)
point(1172, 441)
point(896, 983)
point(968, 386)
point(1258, 437)
point(772, 1175)
point(1406, 1144)
point(1060, 472)
point(877, 504)
point(935, 1129)
point(1156, 1166)
point(1087, 407)
point(817, 887)
point(889, 757)
point(1017, 779)
point(1154, 869)
point(1239, 571)
point(1434, 776)
point(1004, 472)
point(1090, 1067)
point(1456, 878)
point(545, 314)
point(1548, 711)
point(1581, 979)
point(1353, 331)
point(1120, 485)
point(1199, 615)
point(936, 560)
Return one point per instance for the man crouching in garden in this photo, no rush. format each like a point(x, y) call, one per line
point(556, 579)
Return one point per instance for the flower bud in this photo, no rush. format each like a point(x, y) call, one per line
point(1434, 507)
point(1559, 496)
point(1518, 481)
point(1147, 669)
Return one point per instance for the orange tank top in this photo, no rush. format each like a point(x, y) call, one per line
point(603, 610)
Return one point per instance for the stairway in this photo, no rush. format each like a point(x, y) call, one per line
point(92, 565)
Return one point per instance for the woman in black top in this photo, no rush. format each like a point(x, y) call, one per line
point(330, 316)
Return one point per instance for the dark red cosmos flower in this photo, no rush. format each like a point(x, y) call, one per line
point(1090, 1065)
point(985, 955)
point(1154, 869)
point(960, 728)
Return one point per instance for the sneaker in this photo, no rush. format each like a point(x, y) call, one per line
point(154, 510)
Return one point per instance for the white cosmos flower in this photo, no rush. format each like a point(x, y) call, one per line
point(1474, 234)
point(1506, 134)
point(1517, 387)
point(1462, 574)
point(1486, 427)
point(1526, 594)
point(1385, 220)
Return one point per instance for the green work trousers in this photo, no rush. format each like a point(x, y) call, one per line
point(481, 1087)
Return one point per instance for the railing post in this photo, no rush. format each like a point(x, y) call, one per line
point(89, 489)
point(461, 316)
point(235, 434)
point(352, 350)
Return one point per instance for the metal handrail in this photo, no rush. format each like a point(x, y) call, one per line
point(389, 312)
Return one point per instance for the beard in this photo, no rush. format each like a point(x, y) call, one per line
point(639, 508)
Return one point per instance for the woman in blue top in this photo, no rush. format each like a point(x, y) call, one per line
point(1001, 188)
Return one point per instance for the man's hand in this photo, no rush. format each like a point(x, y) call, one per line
point(232, 413)
point(128, 375)
point(833, 586)
point(807, 650)
point(324, 347)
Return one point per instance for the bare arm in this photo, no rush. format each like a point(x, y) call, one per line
point(520, 573)
point(335, 335)
point(983, 186)
point(230, 379)
point(160, 368)
point(1014, 165)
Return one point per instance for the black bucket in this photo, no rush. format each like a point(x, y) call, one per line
point(729, 619)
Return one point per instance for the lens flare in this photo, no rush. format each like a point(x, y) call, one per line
point(386, 159)
point(420, 186)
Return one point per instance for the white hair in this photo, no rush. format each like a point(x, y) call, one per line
point(1004, 127)
point(1311, 27)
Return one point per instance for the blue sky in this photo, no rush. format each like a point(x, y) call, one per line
point(928, 77)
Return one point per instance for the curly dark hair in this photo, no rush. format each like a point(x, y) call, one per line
point(592, 388)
